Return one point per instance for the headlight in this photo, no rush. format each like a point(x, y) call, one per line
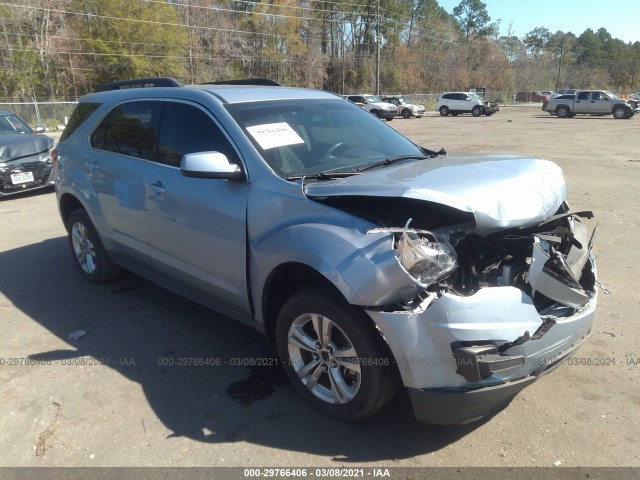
point(426, 256)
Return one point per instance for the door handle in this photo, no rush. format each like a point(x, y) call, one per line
point(157, 187)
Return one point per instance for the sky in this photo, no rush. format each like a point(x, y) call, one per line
point(621, 18)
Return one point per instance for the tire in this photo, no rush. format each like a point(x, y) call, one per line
point(406, 113)
point(488, 114)
point(455, 114)
point(620, 113)
point(349, 387)
point(476, 111)
point(378, 113)
point(563, 111)
point(444, 111)
point(389, 119)
point(87, 250)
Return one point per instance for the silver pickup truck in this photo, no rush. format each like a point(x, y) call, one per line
point(590, 102)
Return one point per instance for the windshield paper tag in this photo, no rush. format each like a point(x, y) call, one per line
point(271, 135)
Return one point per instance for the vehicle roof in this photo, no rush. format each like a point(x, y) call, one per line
point(225, 93)
point(6, 112)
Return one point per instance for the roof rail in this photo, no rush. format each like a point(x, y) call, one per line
point(139, 83)
point(247, 81)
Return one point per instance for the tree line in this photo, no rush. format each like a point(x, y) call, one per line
point(61, 49)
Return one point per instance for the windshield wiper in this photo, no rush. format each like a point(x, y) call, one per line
point(389, 161)
point(325, 175)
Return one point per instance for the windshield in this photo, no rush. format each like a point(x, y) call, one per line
point(611, 95)
point(475, 96)
point(403, 101)
point(306, 137)
point(373, 98)
point(10, 124)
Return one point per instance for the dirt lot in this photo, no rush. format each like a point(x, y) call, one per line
point(112, 398)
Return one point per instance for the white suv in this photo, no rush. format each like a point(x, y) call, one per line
point(373, 104)
point(465, 102)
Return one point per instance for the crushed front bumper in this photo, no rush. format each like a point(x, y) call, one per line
point(430, 346)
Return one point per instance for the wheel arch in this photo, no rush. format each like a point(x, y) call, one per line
point(67, 204)
point(283, 282)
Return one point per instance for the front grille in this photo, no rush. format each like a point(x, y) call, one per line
point(40, 171)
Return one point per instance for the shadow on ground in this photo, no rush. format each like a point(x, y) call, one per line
point(144, 333)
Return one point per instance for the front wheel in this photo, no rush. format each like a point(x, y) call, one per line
point(89, 254)
point(476, 112)
point(406, 113)
point(620, 113)
point(444, 110)
point(333, 355)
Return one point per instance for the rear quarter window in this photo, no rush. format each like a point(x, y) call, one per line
point(79, 115)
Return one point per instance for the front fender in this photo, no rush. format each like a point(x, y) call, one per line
point(362, 266)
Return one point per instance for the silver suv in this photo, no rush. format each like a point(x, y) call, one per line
point(454, 103)
point(367, 260)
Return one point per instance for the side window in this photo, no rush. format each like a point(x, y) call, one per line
point(187, 129)
point(584, 95)
point(129, 129)
point(449, 96)
point(79, 115)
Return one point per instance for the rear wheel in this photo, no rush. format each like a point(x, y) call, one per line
point(333, 356)
point(87, 250)
point(563, 111)
point(476, 112)
point(444, 110)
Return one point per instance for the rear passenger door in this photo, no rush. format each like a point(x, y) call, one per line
point(582, 103)
point(123, 144)
point(197, 226)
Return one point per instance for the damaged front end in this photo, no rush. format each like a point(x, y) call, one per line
point(496, 312)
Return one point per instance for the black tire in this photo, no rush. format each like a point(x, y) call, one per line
point(488, 114)
point(563, 111)
point(378, 113)
point(406, 113)
point(476, 111)
point(444, 111)
point(620, 113)
point(455, 114)
point(87, 250)
point(352, 395)
point(389, 119)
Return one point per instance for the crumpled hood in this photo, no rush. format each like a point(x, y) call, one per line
point(22, 145)
point(502, 191)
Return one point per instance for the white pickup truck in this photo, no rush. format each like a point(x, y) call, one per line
point(590, 102)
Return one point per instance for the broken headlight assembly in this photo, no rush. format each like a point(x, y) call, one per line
point(427, 257)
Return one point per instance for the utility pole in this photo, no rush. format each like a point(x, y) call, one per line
point(560, 64)
point(378, 47)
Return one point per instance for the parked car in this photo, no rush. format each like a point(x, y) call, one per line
point(455, 103)
point(530, 97)
point(367, 260)
point(374, 105)
point(590, 102)
point(405, 108)
point(25, 156)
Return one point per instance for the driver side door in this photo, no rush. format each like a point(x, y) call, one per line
point(197, 226)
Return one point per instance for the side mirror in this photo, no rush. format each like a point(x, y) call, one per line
point(39, 129)
point(210, 165)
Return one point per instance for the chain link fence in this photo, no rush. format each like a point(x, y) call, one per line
point(51, 115)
